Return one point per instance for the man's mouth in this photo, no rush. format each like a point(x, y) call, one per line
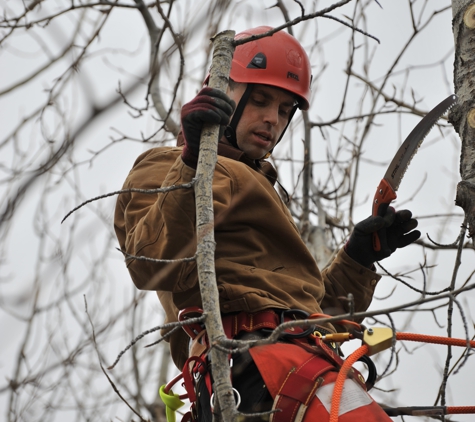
point(264, 136)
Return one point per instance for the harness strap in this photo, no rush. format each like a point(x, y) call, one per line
point(299, 389)
point(268, 319)
point(233, 324)
point(320, 348)
point(199, 344)
point(325, 352)
point(194, 364)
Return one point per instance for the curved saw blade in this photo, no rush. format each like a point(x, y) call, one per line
point(409, 147)
point(386, 191)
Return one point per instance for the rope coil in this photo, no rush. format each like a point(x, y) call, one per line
point(363, 350)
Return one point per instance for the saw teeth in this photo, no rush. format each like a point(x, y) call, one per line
point(454, 98)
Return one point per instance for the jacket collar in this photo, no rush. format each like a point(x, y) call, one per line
point(228, 151)
point(261, 166)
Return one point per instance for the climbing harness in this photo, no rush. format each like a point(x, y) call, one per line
point(310, 376)
point(304, 361)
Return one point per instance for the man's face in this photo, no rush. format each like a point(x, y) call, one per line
point(263, 120)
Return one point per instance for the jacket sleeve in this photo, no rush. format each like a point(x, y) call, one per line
point(162, 226)
point(145, 230)
point(345, 276)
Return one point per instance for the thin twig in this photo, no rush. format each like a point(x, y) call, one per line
point(320, 13)
point(132, 190)
point(352, 27)
point(458, 262)
point(159, 261)
point(423, 292)
point(102, 367)
point(467, 337)
point(173, 326)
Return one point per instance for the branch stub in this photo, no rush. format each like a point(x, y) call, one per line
point(471, 118)
point(469, 16)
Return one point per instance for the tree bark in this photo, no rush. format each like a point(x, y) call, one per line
point(223, 44)
point(462, 116)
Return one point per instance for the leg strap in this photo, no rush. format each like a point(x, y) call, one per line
point(299, 389)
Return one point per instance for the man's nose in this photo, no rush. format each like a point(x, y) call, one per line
point(271, 115)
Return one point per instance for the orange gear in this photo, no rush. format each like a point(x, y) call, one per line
point(302, 385)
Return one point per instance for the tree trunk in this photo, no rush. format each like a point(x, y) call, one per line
point(219, 76)
point(462, 116)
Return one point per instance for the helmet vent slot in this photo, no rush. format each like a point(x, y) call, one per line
point(259, 61)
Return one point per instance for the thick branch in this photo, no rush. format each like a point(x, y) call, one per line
point(460, 116)
point(219, 76)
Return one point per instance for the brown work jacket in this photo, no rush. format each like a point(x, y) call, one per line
point(261, 260)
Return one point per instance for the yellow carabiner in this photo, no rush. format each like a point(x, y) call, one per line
point(172, 403)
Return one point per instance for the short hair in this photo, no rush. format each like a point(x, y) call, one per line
point(232, 84)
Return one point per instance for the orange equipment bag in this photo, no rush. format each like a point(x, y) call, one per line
point(301, 384)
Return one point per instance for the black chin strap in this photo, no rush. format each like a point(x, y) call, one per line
point(291, 114)
point(230, 131)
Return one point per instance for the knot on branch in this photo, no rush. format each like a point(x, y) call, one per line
point(466, 200)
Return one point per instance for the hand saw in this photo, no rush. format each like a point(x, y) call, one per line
point(386, 191)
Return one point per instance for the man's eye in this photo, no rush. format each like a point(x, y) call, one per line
point(259, 101)
point(284, 112)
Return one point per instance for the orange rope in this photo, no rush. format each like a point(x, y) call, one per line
point(449, 341)
point(340, 380)
point(460, 410)
point(350, 360)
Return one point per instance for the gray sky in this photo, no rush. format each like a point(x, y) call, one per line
point(424, 72)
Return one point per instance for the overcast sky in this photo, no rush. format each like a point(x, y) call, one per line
point(121, 54)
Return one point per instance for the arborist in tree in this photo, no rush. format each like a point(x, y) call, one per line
point(265, 273)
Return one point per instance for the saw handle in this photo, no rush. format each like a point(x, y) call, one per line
point(384, 195)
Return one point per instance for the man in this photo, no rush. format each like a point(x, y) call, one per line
point(263, 267)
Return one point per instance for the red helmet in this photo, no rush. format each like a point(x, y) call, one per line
point(278, 60)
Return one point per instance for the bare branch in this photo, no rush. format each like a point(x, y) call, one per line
point(132, 190)
point(104, 371)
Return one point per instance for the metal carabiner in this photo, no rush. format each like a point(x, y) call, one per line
point(296, 312)
point(236, 393)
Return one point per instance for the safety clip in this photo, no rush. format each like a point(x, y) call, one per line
point(377, 339)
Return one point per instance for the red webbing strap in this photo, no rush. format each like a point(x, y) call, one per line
point(249, 322)
point(319, 348)
point(298, 389)
point(243, 321)
point(187, 417)
point(192, 365)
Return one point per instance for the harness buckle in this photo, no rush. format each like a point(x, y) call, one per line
point(296, 314)
point(192, 312)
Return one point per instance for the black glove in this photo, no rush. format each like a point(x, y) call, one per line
point(209, 106)
point(394, 231)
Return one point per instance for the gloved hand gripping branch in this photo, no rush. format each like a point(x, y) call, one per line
point(394, 230)
point(209, 106)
